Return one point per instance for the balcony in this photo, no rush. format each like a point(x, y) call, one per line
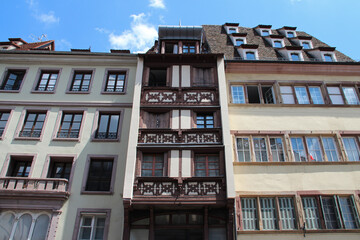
point(190, 136)
point(174, 96)
point(183, 188)
point(34, 187)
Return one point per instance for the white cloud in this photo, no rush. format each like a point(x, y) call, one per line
point(157, 4)
point(102, 30)
point(139, 38)
point(48, 18)
point(62, 45)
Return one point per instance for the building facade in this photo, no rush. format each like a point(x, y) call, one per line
point(294, 113)
point(64, 126)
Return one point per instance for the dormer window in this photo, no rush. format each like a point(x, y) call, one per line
point(265, 33)
point(250, 55)
point(189, 48)
point(232, 30)
point(295, 57)
point(277, 44)
point(306, 45)
point(239, 42)
point(171, 48)
point(290, 34)
point(328, 58)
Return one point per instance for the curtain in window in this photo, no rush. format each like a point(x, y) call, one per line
point(23, 227)
point(6, 224)
point(41, 227)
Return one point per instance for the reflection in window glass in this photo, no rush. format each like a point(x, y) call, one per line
point(260, 149)
point(348, 212)
point(301, 95)
point(330, 149)
point(335, 95)
point(290, 34)
point(314, 149)
point(316, 96)
point(243, 149)
point(277, 150)
point(306, 45)
point(350, 95)
point(277, 44)
point(238, 95)
point(351, 149)
point(329, 211)
point(23, 227)
point(295, 57)
point(298, 149)
point(239, 42)
point(250, 56)
point(328, 58)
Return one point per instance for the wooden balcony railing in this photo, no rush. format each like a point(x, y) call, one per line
point(190, 136)
point(180, 188)
point(198, 96)
point(17, 186)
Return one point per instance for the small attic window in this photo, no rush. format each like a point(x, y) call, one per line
point(306, 45)
point(295, 57)
point(239, 42)
point(290, 34)
point(171, 48)
point(328, 58)
point(232, 30)
point(277, 44)
point(265, 32)
point(250, 56)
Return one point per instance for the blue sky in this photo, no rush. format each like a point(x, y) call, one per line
point(119, 24)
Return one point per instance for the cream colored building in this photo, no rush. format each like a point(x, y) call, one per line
point(64, 124)
point(294, 121)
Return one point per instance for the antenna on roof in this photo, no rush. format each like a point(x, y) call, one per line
point(38, 39)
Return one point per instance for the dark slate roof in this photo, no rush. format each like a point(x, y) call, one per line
point(219, 42)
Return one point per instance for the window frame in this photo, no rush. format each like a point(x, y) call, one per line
point(2, 111)
point(189, 47)
point(153, 164)
point(59, 119)
point(357, 142)
point(10, 157)
point(92, 212)
point(108, 71)
point(308, 93)
point(5, 75)
point(341, 93)
point(22, 119)
point(73, 73)
point(38, 78)
point(205, 114)
point(104, 157)
point(219, 169)
point(260, 86)
point(96, 122)
point(243, 39)
point(328, 54)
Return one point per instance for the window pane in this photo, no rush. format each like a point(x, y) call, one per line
point(350, 95)
point(301, 95)
point(287, 213)
point(351, 149)
point(287, 94)
point(249, 214)
point(328, 58)
point(260, 149)
point(268, 213)
point(277, 44)
point(316, 95)
point(238, 95)
point(6, 224)
point(306, 45)
point(99, 176)
point(330, 149)
point(311, 213)
point(250, 55)
point(348, 212)
point(330, 217)
point(239, 42)
point(23, 227)
point(290, 34)
point(277, 150)
point(335, 95)
point(295, 57)
point(298, 149)
point(243, 149)
point(41, 227)
point(314, 149)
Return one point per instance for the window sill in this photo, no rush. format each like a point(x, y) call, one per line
point(296, 163)
point(113, 93)
point(67, 139)
point(42, 92)
point(9, 91)
point(97, 192)
point(28, 138)
point(78, 92)
point(105, 140)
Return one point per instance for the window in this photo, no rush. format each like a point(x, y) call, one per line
point(250, 56)
point(203, 76)
point(306, 45)
point(338, 212)
point(270, 215)
point(99, 176)
point(265, 33)
point(262, 153)
point(115, 82)
point(47, 81)
point(70, 125)
point(287, 95)
point(298, 148)
point(290, 34)
point(92, 227)
point(304, 94)
point(4, 117)
point(239, 42)
point(207, 165)
point(335, 95)
point(155, 119)
point(152, 165)
point(295, 57)
point(13, 80)
point(81, 81)
point(204, 120)
point(316, 95)
point(33, 124)
point(60, 168)
point(350, 95)
point(330, 149)
point(351, 148)
point(328, 58)
point(171, 48)
point(232, 30)
point(157, 77)
point(189, 48)
point(18, 225)
point(315, 152)
point(108, 126)
point(277, 44)
point(19, 166)
point(238, 94)
point(301, 95)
